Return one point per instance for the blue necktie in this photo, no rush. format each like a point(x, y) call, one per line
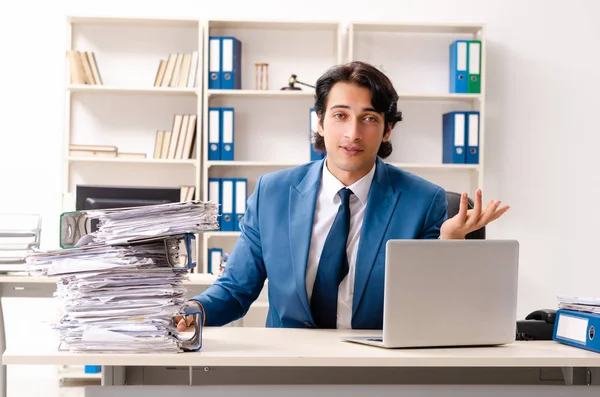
point(333, 267)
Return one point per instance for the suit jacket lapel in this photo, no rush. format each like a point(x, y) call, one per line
point(380, 207)
point(303, 199)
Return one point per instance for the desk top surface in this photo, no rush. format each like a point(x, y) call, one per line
point(238, 346)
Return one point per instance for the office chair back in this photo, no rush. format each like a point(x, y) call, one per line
point(453, 199)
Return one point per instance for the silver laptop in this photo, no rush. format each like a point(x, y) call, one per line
point(448, 293)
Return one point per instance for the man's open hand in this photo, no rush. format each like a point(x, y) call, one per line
point(469, 220)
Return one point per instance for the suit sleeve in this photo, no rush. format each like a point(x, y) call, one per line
point(436, 216)
point(230, 296)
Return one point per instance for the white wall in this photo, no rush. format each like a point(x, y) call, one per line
point(542, 78)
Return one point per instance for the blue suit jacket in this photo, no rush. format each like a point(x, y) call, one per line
point(275, 239)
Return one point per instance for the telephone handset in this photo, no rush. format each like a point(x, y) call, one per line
point(538, 325)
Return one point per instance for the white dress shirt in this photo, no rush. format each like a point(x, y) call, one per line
point(326, 209)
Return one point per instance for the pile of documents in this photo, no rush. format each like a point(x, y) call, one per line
point(577, 321)
point(130, 224)
point(582, 304)
point(120, 292)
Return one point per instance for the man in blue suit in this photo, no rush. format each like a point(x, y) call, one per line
point(318, 231)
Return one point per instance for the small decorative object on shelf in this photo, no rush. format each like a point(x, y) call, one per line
point(261, 71)
point(291, 84)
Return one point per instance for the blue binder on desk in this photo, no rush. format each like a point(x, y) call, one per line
point(231, 63)
point(458, 67)
point(454, 130)
point(578, 329)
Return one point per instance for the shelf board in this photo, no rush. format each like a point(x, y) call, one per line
point(144, 21)
point(466, 167)
point(436, 28)
point(130, 160)
point(274, 25)
point(250, 164)
point(222, 234)
point(200, 278)
point(304, 93)
point(131, 90)
point(407, 96)
point(472, 167)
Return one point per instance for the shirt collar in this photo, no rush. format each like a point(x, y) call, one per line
point(360, 188)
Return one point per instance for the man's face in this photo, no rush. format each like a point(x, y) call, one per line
point(353, 132)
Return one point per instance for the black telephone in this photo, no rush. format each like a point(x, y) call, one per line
point(538, 325)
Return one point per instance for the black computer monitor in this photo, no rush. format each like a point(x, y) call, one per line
point(90, 197)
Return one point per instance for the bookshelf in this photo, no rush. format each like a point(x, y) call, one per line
point(270, 125)
point(418, 66)
point(123, 104)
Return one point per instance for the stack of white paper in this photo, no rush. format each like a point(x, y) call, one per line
point(123, 297)
point(577, 303)
point(118, 226)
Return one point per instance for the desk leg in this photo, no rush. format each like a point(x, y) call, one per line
point(568, 375)
point(2, 349)
point(113, 376)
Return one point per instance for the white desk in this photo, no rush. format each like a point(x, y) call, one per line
point(262, 361)
point(24, 286)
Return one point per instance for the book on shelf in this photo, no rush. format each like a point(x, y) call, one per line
point(92, 151)
point(178, 70)
point(187, 193)
point(101, 151)
point(131, 155)
point(83, 68)
point(178, 143)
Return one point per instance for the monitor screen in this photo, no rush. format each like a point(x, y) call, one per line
point(90, 197)
point(106, 197)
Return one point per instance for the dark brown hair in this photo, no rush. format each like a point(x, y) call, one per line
point(384, 97)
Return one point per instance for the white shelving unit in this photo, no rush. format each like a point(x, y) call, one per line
point(270, 125)
point(127, 109)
